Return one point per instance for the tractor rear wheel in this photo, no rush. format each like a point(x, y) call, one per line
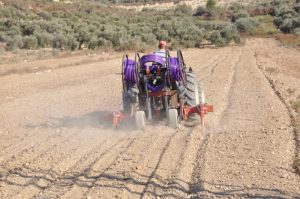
point(173, 118)
point(130, 97)
point(192, 95)
point(140, 120)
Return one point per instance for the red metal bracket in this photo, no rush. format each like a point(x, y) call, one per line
point(201, 109)
point(117, 117)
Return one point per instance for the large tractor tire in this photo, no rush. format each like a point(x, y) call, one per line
point(192, 95)
point(130, 97)
point(140, 120)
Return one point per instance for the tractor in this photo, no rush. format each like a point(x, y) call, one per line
point(156, 87)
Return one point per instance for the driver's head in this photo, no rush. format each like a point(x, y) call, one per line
point(162, 44)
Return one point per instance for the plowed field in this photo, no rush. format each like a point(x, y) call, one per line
point(56, 141)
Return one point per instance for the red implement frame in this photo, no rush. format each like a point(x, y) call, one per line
point(118, 116)
point(201, 109)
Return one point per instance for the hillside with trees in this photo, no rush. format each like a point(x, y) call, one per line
point(91, 24)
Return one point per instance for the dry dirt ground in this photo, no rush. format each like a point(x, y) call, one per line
point(57, 143)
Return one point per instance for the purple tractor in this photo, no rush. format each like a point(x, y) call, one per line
point(156, 87)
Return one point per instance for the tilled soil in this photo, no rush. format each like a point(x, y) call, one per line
point(57, 142)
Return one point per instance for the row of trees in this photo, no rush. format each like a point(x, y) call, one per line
point(123, 31)
point(286, 14)
point(102, 27)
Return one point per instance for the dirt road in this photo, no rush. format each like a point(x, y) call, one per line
point(57, 143)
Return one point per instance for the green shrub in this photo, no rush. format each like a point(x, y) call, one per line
point(93, 43)
point(83, 36)
point(30, 42)
point(297, 31)
point(3, 37)
point(72, 43)
point(247, 24)
point(169, 26)
point(21, 5)
point(210, 4)
point(44, 39)
point(161, 34)
point(59, 41)
point(286, 25)
point(236, 7)
point(230, 33)
point(266, 26)
point(264, 3)
point(187, 34)
point(279, 2)
point(104, 44)
point(45, 15)
point(29, 28)
point(296, 7)
point(183, 10)
point(149, 38)
point(217, 39)
point(281, 11)
point(200, 11)
point(174, 44)
point(11, 27)
point(242, 14)
point(287, 16)
point(14, 43)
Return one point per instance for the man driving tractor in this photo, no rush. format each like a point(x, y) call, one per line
point(161, 51)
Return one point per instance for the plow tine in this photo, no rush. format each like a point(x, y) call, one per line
point(202, 121)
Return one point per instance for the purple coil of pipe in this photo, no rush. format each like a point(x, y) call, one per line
point(130, 70)
point(130, 75)
point(152, 58)
point(175, 70)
